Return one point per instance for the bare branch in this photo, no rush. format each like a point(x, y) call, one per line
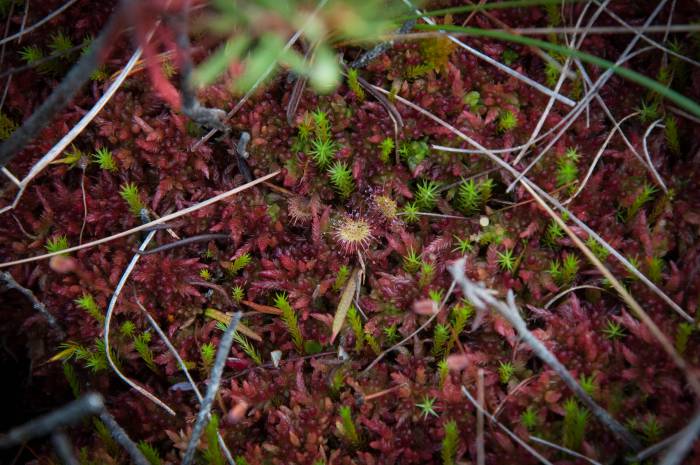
point(122, 438)
point(68, 415)
point(483, 298)
point(10, 283)
point(214, 380)
point(64, 448)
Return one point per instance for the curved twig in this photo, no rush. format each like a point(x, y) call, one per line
point(149, 225)
point(108, 321)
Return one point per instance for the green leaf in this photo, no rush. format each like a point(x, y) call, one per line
point(218, 62)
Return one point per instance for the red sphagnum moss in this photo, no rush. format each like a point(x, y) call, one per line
point(303, 235)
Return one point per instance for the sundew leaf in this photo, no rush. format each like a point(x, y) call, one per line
point(633, 76)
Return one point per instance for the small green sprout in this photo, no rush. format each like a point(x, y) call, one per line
point(507, 121)
point(509, 56)
point(127, 329)
point(248, 348)
point(411, 261)
point(322, 127)
point(427, 407)
point(372, 343)
point(555, 270)
point(72, 158)
point(461, 313)
point(356, 325)
point(436, 295)
point(572, 154)
point(391, 334)
point(104, 159)
point(239, 263)
point(386, 147)
point(323, 151)
point(648, 112)
point(150, 452)
point(348, 426)
point(410, 212)
point(449, 443)
point(469, 197)
point(529, 418)
point(427, 273)
point(354, 84)
point(427, 194)
point(464, 246)
point(597, 248)
point(60, 43)
point(441, 334)
point(551, 74)
point(655, 269)
point(208, 352)
point(652, 430)
point(443, 371)
point(644, 196)
point(30, 54)
point(237, 293)
point(485, 187)
point(305, 128)
point(569, 268)
point(553, 234)
point(7, 126)
point(56, 244)
point(634, 261)
point(505, 371)
point(72, 379)
point(589, 384)
point(213, 454)
point(341, 277)
point(685, 329)
point(671, 132)
point(289, 318)
point(506, 260)
point(613, 330)
point(567, 171)
point(575, 423)
point(341, 178)
point(141, 345)
point(130, 193)
point(96, 360)
point(472, 99)
point(205, 274)
point(87, 302)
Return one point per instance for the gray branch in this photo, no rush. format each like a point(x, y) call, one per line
point(10, 283)
point(214, 380)
point(483, 298)
point(69, 414)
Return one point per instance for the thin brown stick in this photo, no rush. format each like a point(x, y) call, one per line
point(150, 224)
